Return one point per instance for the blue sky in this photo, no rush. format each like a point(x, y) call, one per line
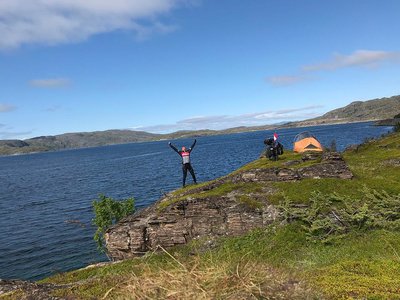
point(167, 65)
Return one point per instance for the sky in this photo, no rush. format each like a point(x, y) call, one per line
point(167, 65)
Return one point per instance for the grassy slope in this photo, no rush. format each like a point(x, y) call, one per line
point(278, 260)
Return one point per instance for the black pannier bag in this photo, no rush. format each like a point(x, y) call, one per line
point(274, 149)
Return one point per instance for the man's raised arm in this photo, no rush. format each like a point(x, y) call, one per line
point(173, 147)
point(194, 143)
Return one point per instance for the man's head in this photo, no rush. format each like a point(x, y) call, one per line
point(183, 148)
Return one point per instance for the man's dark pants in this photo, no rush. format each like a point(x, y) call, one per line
point(185, 168)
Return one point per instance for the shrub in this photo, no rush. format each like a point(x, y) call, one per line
point(329, 217)
point(108, 212)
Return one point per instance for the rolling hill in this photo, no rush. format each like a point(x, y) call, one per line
point(358, 111)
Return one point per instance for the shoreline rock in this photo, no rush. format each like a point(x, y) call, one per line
point(387, 122)
point(29, 290)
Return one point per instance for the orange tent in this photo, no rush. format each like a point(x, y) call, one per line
point(305, 141)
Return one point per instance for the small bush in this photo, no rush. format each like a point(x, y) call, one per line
point(108, 212)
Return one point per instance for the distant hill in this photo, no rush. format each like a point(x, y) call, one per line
point(75, 140)
point(358, 111)
point(377, 109)
point(102, 138)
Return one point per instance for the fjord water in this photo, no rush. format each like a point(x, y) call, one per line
point(45, 198)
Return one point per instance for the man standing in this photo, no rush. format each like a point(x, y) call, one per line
point(186, 166)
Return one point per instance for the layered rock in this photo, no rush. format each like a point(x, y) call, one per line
point(182, 222)
point(176, 219)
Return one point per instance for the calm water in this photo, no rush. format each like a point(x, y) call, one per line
point(45, 198)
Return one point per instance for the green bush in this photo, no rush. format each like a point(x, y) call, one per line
point(329, 217)
point(108, 212)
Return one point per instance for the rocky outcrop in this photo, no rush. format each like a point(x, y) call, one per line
point(387, 122)
point(332, 165)
point(19, 289)
point(182, 222)
point(179, 218)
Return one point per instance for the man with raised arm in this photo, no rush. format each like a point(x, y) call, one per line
point(186, 166)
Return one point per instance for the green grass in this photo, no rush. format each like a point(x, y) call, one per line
point(191, 188)
point(250, 202)
point(264, 163)
point(361, 279)
point(363, 265)
point(219, 191)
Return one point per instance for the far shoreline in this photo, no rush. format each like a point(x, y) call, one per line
point(200, 133)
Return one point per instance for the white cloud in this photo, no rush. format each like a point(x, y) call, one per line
point(286, 80)
point(359, 58)
point(53, 108)
point(64, 21)
point(219, 122)
point(50, 83)
point(6, 107)
point(8, 135)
